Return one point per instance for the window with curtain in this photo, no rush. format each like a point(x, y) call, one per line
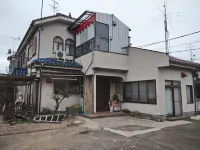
point(69, 47)
point(57, 44)
point(189, 93)
point(141, 92)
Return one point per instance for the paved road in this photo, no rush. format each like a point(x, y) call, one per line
point(183, 137)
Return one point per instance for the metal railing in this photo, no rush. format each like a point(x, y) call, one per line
point(17, 62)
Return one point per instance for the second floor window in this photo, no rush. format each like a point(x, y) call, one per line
point(57, 44)
point(69, 47)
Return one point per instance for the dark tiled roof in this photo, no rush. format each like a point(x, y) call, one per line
point(55, 62)
point(183, 62)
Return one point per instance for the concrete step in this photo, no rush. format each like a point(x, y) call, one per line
point(177, 118)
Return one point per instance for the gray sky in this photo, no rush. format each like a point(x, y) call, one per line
point(142, 16)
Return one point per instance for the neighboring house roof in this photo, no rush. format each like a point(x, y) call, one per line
point(183, 62)
point(55, 62)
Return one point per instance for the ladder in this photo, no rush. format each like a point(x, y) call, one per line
point(48, 118)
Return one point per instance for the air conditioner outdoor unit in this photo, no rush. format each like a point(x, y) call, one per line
point(60, 55)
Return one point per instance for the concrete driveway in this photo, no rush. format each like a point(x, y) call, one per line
point(129, 126)
point(183, 137)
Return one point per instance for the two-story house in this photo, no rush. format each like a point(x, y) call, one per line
point(147, 81)
point(46, 40)
point(91, 56)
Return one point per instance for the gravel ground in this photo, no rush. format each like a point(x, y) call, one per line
point(6, 129)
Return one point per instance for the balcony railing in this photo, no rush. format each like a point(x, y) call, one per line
point(18, 66)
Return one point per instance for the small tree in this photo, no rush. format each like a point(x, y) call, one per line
point(58, 97)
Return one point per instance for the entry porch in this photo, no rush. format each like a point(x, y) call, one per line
point(100, 91)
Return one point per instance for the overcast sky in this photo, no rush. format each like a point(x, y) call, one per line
point(142, 16)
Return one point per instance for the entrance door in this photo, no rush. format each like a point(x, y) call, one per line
point(102, 93)
point(173, 98)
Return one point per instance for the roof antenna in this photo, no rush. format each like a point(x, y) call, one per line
point(54, 6)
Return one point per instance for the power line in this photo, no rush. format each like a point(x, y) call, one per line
point(185, 50)
point(179, 45)
point(170, 39)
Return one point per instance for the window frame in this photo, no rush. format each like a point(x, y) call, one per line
point(149, 101)
point(58, 43)
point(66, 85)
point(191, 94)
point(71, 46)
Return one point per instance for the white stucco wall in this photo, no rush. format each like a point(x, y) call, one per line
point(109, 60)
point(46, 101)
point(143, 65)
point(175, 74)
point(48, 33)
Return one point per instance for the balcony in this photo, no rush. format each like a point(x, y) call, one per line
point(18, 65)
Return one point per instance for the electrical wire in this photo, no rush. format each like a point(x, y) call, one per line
point(185, 50)
point(170, 39)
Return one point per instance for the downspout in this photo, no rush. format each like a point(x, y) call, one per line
point(40, 90)
point(39, 44)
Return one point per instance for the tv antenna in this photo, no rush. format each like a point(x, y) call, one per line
point(54, 6)
point(14, 39)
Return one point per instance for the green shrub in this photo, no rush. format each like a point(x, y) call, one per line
point(76, 106)
point(137, 114)
point(46, 111)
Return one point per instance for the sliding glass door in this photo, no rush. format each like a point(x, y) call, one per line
point(173, 98)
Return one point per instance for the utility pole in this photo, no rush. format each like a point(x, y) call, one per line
point(166, 30)
point(54, 6)
point(191, 54)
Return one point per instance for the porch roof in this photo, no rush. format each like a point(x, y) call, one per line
point(56, 62)
point(8, 80)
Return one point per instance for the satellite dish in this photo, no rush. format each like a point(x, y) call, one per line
point(9, 51)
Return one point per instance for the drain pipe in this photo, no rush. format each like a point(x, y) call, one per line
point(40, 90)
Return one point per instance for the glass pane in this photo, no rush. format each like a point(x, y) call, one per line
point(102, 30)
point(67, 49)
point(177, 102)
point(169, 101)
point(128, 91)
point(71, 50)
point(177, 94)
point(178, 109)
point(134, 91)
point(60, 47)
point(168, 83)
point(176, 83)
point(59, 85)
point(151, 86)
point(142, 92)
point(101, 44)
point(189, 94)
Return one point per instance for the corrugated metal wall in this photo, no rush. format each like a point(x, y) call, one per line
point(118, 34)
point(85, 35)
